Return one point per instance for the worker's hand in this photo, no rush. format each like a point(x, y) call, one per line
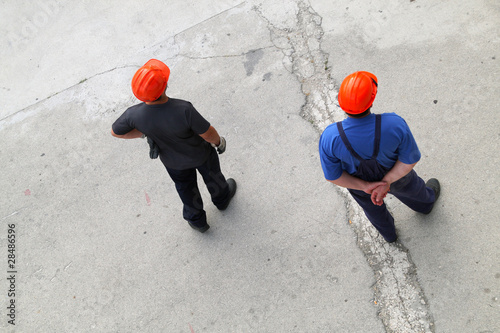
point(370, 186)
point(153, 148)
point(379, 193)
point(222, 145)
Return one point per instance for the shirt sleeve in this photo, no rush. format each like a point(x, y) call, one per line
point(123, 125)
point(195, 120)
point(408, 151)
point(332, 166)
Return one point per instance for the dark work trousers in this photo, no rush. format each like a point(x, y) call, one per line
point(187, 187)
point(410, 189)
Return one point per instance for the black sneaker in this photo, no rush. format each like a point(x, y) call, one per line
point(433, 183)
point(201, 229)
point(232, 191)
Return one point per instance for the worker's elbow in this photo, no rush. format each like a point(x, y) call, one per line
point(332, 181)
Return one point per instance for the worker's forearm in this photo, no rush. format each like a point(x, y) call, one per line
point(398, 171)
point(211, 136)
point(348, 181)
point(354, 183)
point(133, 134)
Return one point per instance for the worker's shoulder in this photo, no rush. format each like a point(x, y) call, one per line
point(391, 115)
point(136, 106)
point(179, 102)
point(329, 136)
point(134, 110)
point(331, 130)
point(392, 118)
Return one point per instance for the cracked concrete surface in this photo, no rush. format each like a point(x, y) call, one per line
point(94, 106)
point(101, 229)
point(430, 60)
point(398, 295)
point(102, 234)
point(403, 306)
point(303, 57)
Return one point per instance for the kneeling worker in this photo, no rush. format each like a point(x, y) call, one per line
point(184, 140)
point(372, 155)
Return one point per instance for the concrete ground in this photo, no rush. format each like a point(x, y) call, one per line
point(100, 241)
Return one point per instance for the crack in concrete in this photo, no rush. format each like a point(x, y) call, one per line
point(244, 54)
point(401, 301)
point(402, 305)
point(154, 49)
point(304, 58)
point(208, 19)
point(26, 108)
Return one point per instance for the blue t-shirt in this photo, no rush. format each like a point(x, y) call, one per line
point(396, 142)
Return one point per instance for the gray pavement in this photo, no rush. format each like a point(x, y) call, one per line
point(101, 245)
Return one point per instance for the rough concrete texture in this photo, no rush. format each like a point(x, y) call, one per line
point(437, 67)
point(101, 245)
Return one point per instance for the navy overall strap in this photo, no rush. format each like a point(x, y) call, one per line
point(378, 129)
point(376, 148)
point(346, 142)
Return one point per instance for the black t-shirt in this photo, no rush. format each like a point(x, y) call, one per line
point(174, 126)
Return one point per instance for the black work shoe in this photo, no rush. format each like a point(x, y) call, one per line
point(232, 191)
point(433, 183)
point(201, 229)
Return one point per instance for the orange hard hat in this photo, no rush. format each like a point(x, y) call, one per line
point(150, 81)
point(357, 92)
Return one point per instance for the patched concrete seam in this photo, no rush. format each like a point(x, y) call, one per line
point(301, 46)
point(402, 305)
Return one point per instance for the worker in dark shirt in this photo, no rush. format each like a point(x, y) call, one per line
point(183, 139)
